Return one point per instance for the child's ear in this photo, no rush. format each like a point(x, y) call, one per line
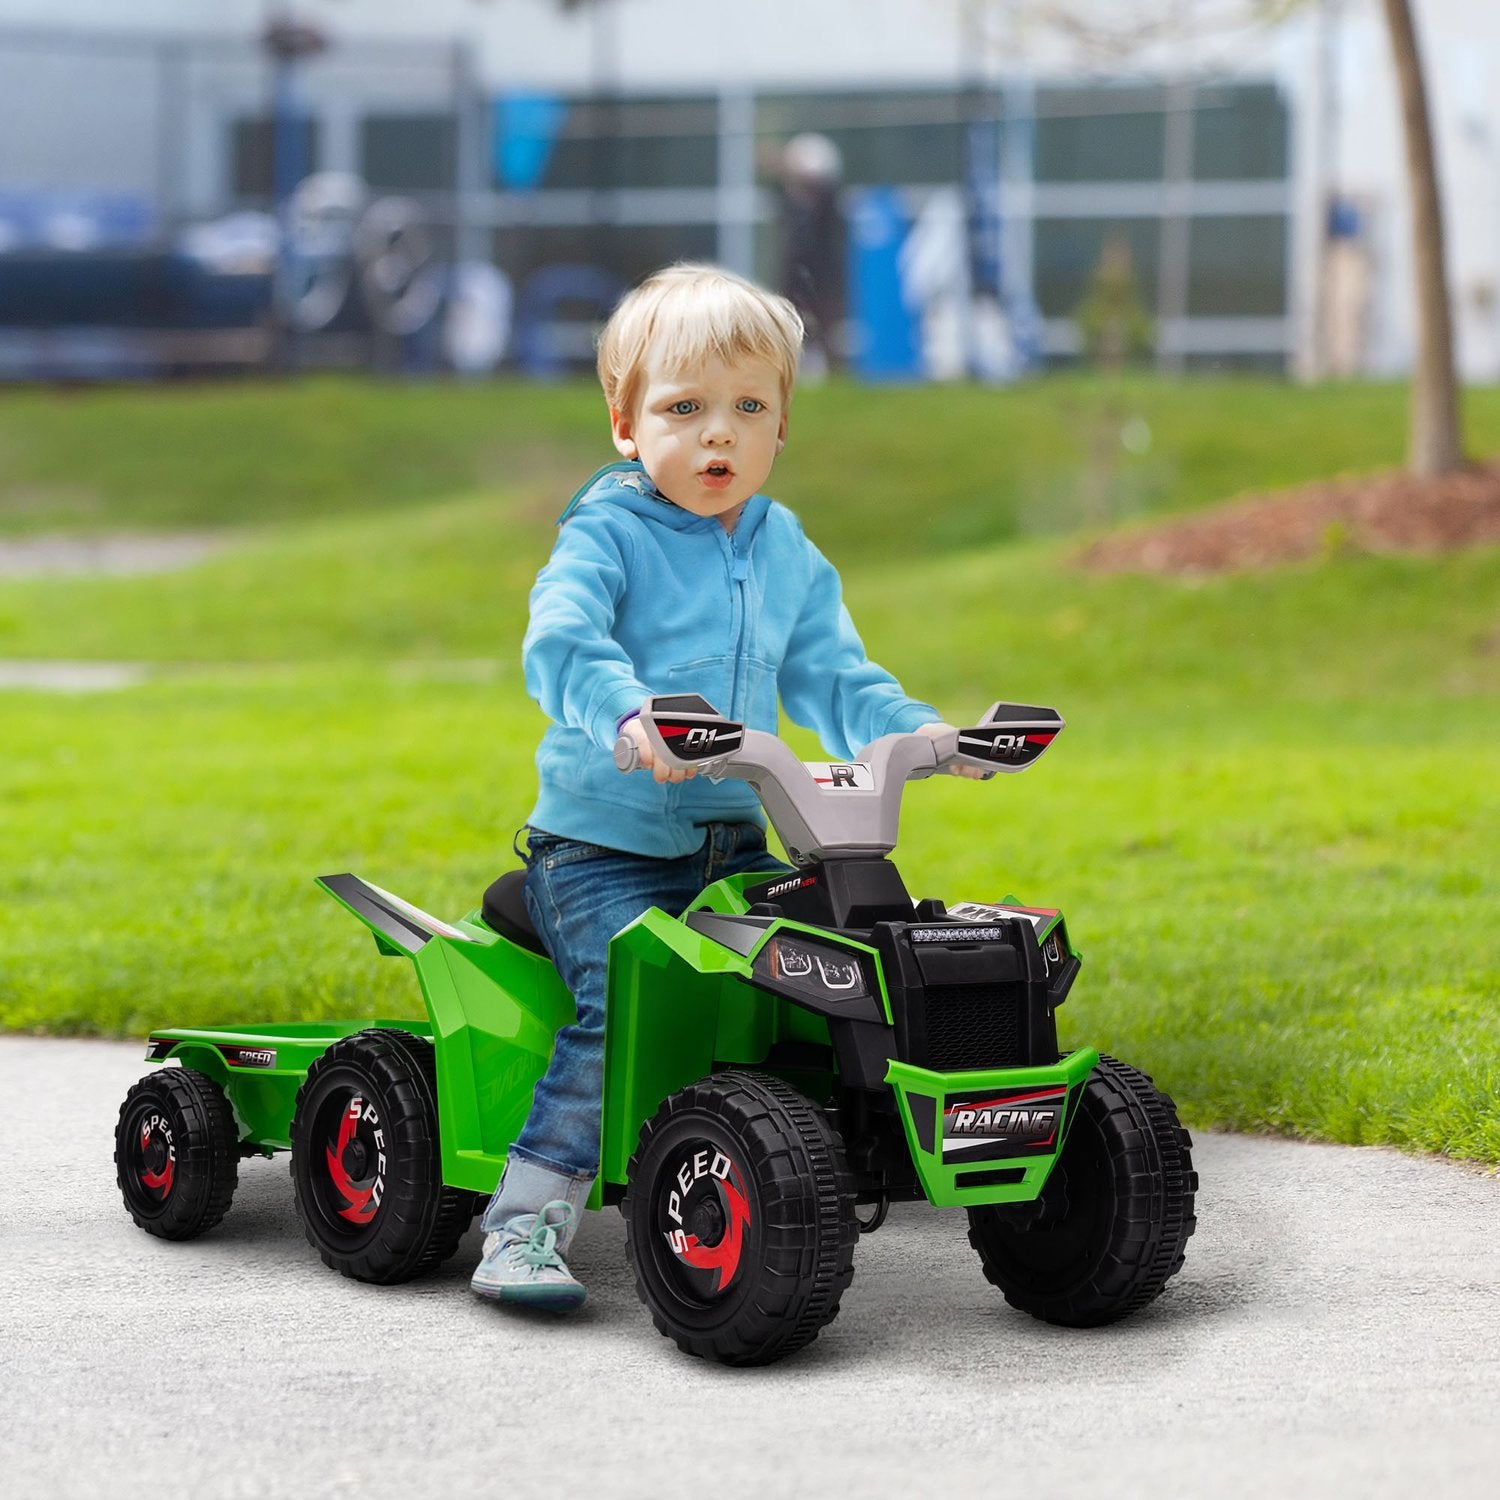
point(781, 436)
point(620, 426)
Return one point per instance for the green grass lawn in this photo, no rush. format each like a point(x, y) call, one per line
point(1272, 821)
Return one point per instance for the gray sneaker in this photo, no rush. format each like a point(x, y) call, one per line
point(521, 1263)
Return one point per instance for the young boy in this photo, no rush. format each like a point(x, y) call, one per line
point(671, 574)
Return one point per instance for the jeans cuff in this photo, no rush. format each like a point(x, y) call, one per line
point(526, 1185)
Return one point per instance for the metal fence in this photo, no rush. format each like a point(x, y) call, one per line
point(116, 146)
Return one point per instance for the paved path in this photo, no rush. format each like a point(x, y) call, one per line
point(110, 555)
point(1336, 1331)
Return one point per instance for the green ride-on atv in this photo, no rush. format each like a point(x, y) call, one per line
point(782, 1061)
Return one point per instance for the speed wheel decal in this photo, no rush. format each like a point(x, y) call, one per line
point(158, 1158)
point(360, 1148)
point(366, 1160)
point(707, 1212)
point(739, 1218)
point(177, 1150)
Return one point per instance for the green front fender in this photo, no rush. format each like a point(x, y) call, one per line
point(948, 1177)
point(678, 1002)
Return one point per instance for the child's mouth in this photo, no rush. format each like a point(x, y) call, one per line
point(716, 475)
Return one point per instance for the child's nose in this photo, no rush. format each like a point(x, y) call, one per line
point(718, 430)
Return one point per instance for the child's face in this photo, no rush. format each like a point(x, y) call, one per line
point(707, 435)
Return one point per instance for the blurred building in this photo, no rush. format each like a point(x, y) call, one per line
point(1255, 174)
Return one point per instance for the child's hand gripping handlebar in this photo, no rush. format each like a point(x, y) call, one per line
point(686, 733)
point(822, 808)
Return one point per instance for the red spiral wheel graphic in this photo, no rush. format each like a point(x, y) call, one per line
point(176, 1153)
point(366, 1163)
point(739, 1219)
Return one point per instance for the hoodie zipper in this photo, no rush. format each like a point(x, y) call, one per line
point(739, 572)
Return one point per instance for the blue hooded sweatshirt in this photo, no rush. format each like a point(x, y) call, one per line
point(642, 597)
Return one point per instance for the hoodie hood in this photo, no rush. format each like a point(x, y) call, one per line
point(627, 484)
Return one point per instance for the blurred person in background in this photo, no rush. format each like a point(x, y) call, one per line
point(814, 247)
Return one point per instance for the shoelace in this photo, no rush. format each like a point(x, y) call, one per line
point(539, 1248)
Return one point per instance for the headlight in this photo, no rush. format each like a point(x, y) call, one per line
point(825, 973)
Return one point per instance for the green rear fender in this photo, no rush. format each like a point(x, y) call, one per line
point(495, 1010)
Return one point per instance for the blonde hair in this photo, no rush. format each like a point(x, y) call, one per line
point(687, 313)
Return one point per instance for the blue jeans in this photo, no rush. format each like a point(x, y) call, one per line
point(579, 896)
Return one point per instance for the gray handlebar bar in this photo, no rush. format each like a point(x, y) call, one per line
point(855, 807)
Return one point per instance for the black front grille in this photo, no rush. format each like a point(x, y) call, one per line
point(968, 1026)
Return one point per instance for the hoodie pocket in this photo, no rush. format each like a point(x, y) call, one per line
point(713, 678)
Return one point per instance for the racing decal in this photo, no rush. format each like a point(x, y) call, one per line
point(1042, 918)
point(1000, 1123)
point(839, 776)
point(358, 1151)
point(158, 1155)
point(709, 1211)
point(248, 1057)
point(159, 1048)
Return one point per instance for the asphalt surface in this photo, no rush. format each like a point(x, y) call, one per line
point(1336, 1331)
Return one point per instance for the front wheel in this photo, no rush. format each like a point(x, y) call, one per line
point(366, 1168)
point(176, 1153)
point(1110, 1226)
point(739, 1219)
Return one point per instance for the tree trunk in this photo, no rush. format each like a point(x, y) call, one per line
point(1436, 443)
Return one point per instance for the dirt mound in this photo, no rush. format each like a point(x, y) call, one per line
point(1393, 512)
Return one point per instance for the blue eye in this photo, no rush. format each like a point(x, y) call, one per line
point(683, 408)
point(751, 405)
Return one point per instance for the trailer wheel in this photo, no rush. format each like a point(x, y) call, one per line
point(1110, 1227)
point(176, 1153)
point(739, 1219)
point(366, 1168)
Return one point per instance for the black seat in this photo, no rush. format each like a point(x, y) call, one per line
point(504, 909)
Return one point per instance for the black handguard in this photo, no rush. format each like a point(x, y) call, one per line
point(686, 731)
point(1011, 737)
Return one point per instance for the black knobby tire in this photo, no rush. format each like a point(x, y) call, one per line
point(739, 1219)
point(366, 1166)
point(176, 1153)
point(1112, 1224)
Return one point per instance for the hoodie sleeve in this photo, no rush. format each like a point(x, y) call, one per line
point(574, 667)
point(828, 684)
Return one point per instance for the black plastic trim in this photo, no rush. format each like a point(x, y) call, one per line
point(740, 935)
point(864, 1051)
point(999, 1177)
point(1058, 992)
point(924, 1119)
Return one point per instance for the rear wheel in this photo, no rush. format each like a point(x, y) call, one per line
point(176, 1153)
point(739, 1219)
point(366, 1167)
point(1110, 1227)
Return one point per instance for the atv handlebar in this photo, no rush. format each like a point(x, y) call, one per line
point(822, 808)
